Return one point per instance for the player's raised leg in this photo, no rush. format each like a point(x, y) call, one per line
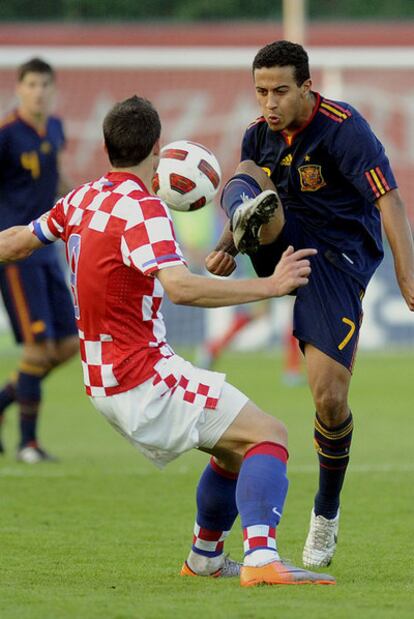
point(251, 202)
point(256, 445)
point(329, 382)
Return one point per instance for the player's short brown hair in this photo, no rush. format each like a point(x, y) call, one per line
point(131, 129)
point(34, 65)
point(284, 54)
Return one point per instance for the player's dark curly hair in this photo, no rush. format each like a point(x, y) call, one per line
point(284, 54)
point(35, 65)
point(131, 129)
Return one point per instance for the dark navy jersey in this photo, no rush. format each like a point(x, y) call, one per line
point(29, 171)
point(329, 174)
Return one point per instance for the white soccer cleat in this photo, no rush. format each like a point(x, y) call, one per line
point(320, 544)
point(249, 218)
point(229, 569)
point(33, 454)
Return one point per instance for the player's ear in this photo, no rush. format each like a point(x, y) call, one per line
point(306, 87)
point(156, 155)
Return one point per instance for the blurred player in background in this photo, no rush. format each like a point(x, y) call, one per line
point(34, 292)
point(123, 254)
point(335, 184)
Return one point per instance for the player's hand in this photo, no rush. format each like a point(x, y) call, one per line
point(292, 270)
point(407, 290)
point(220, 263)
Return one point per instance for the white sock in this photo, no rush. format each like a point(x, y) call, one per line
point(204, 566)
point(261, 557)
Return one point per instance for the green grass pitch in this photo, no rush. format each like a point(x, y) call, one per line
point(102, 534)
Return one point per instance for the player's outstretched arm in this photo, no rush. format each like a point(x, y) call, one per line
point(399, 235)
point(17, 243)
point(185, 288)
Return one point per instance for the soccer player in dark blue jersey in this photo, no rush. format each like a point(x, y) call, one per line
point(34, 291)
point(313, 174)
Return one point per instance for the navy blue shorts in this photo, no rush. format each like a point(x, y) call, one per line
point(37, 301)
point(328, 311)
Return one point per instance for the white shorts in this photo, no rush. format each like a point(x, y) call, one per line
point(179, 408)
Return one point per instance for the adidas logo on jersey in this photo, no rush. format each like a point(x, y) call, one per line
point(287, 161)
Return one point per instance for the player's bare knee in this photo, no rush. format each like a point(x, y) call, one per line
point(332, 406)
point(252, 169)
point(273, 430)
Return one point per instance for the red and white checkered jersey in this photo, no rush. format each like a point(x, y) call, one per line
point(117, 236)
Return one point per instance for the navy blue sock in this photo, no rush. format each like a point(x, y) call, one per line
point(238, 189)
point(333, 447)
point(260, 495)
point(28, 395)
point(216, 510)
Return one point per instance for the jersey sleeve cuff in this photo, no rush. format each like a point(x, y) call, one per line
point(42, 231)
point(163, 262)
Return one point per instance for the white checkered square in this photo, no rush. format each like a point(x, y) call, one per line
point(99, 221)
point(128, 187)
point(108, 378)
point(158, 228)
point(97, 392)
point(93, 352)
point(128, 210)
point(143, 258)
point(85, 372)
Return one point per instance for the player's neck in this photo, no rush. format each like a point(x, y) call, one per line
point(37, 121)
point(305, 115)
point(143, 172)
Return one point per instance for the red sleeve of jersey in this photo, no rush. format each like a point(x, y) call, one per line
point(151, 244)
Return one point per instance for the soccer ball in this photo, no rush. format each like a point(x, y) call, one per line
point(188, 176)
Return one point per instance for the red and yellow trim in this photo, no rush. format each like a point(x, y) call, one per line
point(334, 111)
point(377, 181)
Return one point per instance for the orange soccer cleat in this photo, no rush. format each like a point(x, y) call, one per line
point(281, 573)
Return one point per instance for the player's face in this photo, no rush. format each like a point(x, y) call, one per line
point(35, 92)
point(283, 103)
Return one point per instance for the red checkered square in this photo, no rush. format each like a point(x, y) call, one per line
point(259, 536)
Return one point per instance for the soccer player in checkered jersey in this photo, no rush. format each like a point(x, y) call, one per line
point(34, 291)
point(334, 185)
point(122, 253)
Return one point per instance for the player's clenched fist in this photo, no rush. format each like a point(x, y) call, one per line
point(220, 263)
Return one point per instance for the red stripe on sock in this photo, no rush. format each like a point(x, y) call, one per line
point(258, 542)
point(209, 536)
point(267, 448)
point(220, 471)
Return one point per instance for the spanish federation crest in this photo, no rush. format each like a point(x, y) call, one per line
point(311, 178)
